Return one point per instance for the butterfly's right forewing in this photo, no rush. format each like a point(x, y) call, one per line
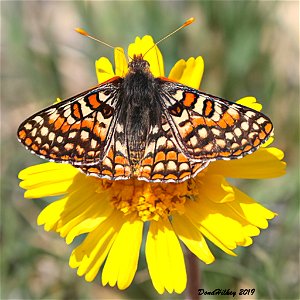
point(207, 127)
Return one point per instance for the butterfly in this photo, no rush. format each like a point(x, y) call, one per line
point(152, 129)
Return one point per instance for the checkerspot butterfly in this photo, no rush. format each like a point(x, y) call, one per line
point(140, 126)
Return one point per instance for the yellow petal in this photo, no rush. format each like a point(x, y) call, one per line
point(165, 258)
point(104, 69)
point(268, 142)
point(121, 65)
point(47, 190)
point(177, 71)
point(79, 205)
point(50, 215)
point(188, 73)
point(207, 217)
point(264, 163)
point(85, 225)
point(84, 218)
point(192, 238)
point(90, 255)
point(153, 56)
point(42, 169)
point(49, 179)
point(215, 188)
point(79, 212)
point(122, 261)
point(250, 102)
point(250, 210)
point(43, 185)
point(215, 240)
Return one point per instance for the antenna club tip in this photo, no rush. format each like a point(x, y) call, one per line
point(189, 21)
point(81, 31)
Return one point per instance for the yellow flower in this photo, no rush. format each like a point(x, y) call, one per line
point(112, 214)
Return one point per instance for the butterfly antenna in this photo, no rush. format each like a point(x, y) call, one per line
point(83, 32)
point(186, 23)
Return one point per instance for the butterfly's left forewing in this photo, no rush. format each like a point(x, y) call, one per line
point(78, 130)
point(209, 128)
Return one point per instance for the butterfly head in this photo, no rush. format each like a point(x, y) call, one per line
point(138, 63)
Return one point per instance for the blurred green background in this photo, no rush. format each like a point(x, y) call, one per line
point(249, 48)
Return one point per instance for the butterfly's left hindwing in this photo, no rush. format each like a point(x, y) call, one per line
point(78, 130)
point(115, 165)
point(209, 128)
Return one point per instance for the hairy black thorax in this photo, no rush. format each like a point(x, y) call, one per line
point(139, 108)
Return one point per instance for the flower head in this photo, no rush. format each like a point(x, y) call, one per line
point(113, 214)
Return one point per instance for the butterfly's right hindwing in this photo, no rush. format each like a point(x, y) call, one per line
point(77, 130)
point(163, 159)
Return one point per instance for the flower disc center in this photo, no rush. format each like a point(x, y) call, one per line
point(149, 201)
